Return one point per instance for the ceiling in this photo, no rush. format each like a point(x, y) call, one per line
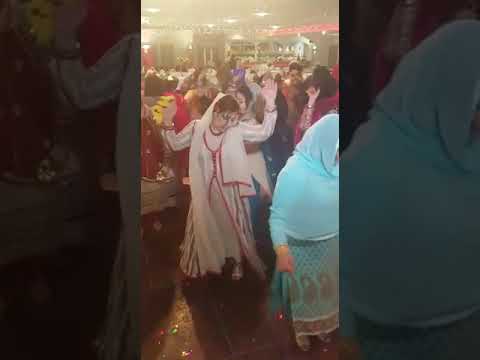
point(282, 13)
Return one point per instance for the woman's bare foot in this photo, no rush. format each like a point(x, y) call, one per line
point(237, 273)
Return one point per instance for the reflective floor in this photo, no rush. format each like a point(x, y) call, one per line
point(209, 319)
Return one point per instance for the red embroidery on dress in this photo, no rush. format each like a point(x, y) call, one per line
point(235, 224)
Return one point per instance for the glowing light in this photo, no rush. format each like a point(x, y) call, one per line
point(153, 10)
point(187, 353)
point(210, 25)
point(231, 21)
point(146, 47)
point(261, 13)
point(145, 20)
point(275, 27)
point(324, 32)
point(237, 37)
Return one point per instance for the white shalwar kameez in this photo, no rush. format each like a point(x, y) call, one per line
point(218, 224)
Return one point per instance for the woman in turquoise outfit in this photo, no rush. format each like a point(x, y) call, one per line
point(304, 228)
point(410, 231)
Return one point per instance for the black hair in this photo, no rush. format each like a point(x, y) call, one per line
point(247, 94)
point(295, 66)
point(203, 104)
point(322, 79)
point(227, 103)
point(154, 85)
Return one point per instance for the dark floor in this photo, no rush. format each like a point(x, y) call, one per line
point(211, 319)
point(54, 304)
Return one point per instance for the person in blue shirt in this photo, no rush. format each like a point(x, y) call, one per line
point(304, 226)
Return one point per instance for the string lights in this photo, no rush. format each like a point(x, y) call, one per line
point(265, 29)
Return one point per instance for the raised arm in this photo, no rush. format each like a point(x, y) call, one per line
point(261, 132)
point(180, 141)
point(87, 88)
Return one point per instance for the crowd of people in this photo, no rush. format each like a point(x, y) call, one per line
point(245, 140)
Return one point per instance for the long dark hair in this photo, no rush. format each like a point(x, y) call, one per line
point(247, 94)
point(227, 103)
point(322, 79)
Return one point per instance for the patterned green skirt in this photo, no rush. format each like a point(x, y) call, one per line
point(310, 296)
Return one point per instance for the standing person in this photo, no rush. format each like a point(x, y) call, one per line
point(256, 159)
point(279, 147)
point(293, 92)
point(304, 225)
point(115, 76)
point(406, 277)
point(321, 90)
point(218, 225)
point(238, 72)
point(182, 118)
point(152, 147)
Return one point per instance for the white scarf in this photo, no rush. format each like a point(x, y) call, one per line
point(233, 157)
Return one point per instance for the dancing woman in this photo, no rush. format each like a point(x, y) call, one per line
point(321, 89)
point(218, 225)
point(304, 226)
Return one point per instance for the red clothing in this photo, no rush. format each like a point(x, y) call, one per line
point(322, 108)
point(97, 35)
point(181, 119)
point(152, 148)
point(26, 113)
point(431, 14)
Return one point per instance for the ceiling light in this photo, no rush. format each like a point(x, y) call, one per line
point(275, 27)
point(324, 32)
point(152, 10)
point(261, 13)
point(210, 25)
point(146, 47)
point(145, 20)
point(237, 37)
point(231, 21)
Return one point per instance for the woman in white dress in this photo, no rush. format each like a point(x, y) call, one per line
point(219, 225)
point(255, 156)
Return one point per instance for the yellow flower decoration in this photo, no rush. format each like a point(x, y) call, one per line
point(159, 107)
point(40, 15)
